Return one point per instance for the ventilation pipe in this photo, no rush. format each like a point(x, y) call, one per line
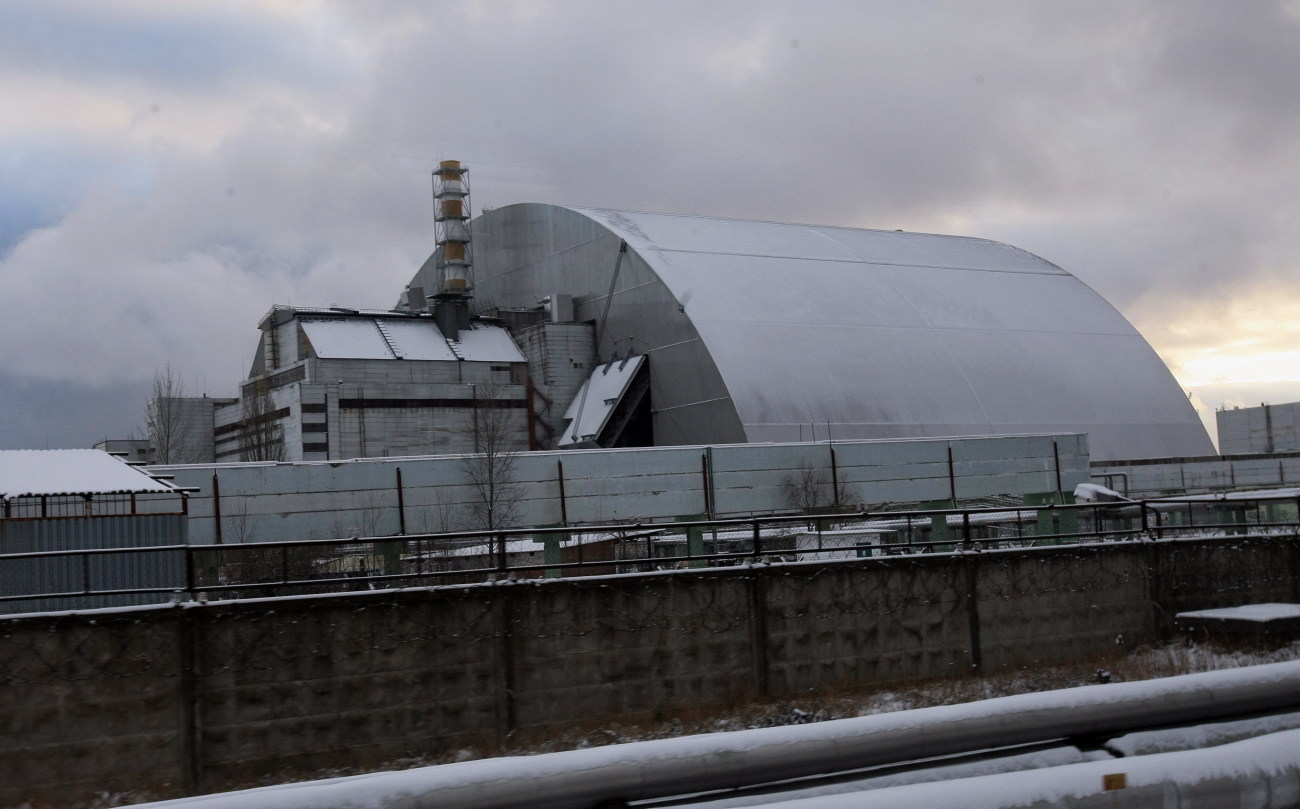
point(451, 219)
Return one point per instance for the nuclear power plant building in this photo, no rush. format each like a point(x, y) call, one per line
point(659, 329)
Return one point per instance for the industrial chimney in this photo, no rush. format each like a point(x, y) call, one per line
point(451, 220)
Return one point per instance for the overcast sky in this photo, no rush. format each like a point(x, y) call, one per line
point(169, 170)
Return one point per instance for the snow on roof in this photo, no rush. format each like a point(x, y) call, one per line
point(36, 472)
point(418, 340)
point(1261, 613)
point(346, 338)
point(393, 338)
point(597, 398)
point(484, 343)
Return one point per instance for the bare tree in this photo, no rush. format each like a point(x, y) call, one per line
point(439, 519)
point(262, 436)
point(240, 524)
point(809, 489)
point(167, 420)
point(494, 497)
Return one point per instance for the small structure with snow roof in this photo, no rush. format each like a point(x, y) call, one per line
point(67, 513)
point(1257, 621)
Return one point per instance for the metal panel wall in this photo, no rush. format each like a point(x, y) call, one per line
point(267, 502)
point(72, 574)
point(1198, 475)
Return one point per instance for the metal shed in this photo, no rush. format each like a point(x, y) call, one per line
point(66, 515)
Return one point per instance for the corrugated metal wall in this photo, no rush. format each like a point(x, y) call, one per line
point(73, 574)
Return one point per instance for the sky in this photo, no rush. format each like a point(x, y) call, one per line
point(169, 171)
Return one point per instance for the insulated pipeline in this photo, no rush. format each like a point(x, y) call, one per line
point(645, 770)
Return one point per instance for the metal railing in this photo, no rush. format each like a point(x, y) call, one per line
point(100, 577)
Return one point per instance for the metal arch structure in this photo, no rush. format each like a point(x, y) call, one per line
point(772, 332)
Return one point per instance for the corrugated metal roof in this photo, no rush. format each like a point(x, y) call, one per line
point(483, 343)
point(418, 340)
point(36, 472)
point(346, 338)
point(388, 338)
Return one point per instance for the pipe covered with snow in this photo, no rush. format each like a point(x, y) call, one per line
point(582, 779)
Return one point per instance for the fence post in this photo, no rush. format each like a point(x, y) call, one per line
point(401, 504)
point(216, 508)
point(564, 505)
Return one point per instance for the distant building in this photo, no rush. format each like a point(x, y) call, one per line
point(1267, 428)
point(131, 450)
point(182, 428)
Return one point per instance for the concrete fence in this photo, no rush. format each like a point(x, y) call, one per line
point(163, 701)
point(1153, 478)
point(389, 496)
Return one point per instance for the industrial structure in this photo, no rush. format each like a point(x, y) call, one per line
point(600, 328)
point(725, 331)
point(331, 383)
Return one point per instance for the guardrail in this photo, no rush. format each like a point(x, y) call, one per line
point(197, 572)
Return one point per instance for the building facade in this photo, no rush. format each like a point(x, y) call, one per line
point(332, 384)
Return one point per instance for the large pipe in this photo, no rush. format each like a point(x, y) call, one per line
point(1261, 773)
point(583, 779)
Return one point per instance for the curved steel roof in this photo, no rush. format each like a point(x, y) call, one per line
point(859, 333)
